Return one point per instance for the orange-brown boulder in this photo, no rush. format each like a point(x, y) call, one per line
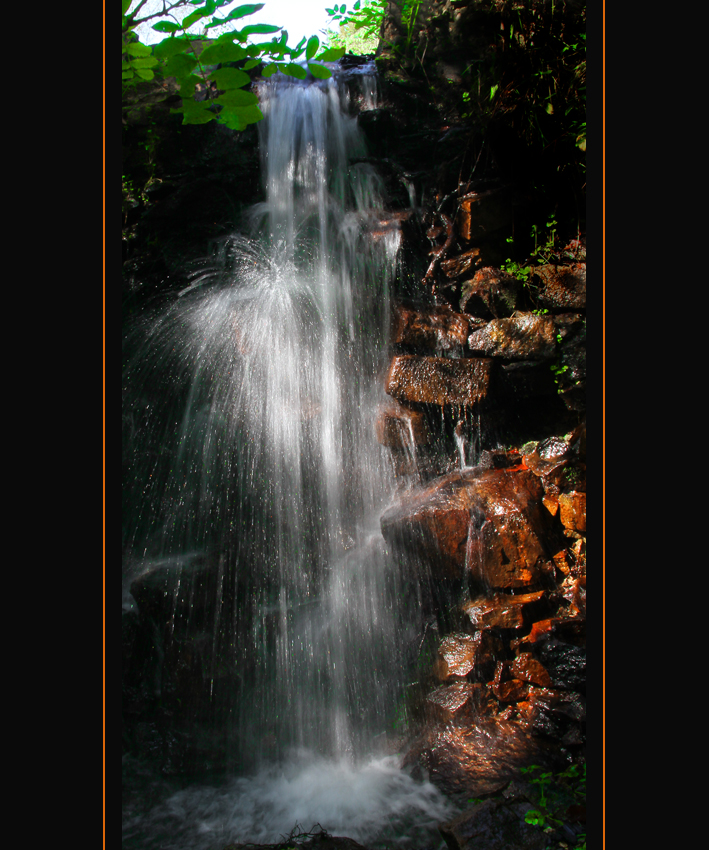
point(562, 286)
point(502, 611)
point(428, 327)
point(400, 427)
point(527, 668)
point(522, 337)
point(488, 523)
point(466, 655)
point(572, 508)
point(439, 380)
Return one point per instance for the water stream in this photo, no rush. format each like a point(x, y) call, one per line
point(252, 462)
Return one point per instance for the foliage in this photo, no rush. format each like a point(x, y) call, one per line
point(555, 793)
point(360, 27)
point(546, 250)
point(212, 74)
point(541, 72)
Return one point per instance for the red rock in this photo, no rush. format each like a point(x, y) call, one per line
point(489, 523)
point(572, 507)
point(439, 380)
point(428, 327)
point(569, 629)
point(455, 701)
point(562, 562)
point(479, 758)
point(512, 690)
point(400, 427)
point(463, 654)
point(562, 286)
point(456, 266)
point(522, 337)
point(500, 611)
point(575, 594)
point(527, 668)
point(491, 292)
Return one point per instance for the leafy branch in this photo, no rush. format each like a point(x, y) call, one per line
point(191, 60)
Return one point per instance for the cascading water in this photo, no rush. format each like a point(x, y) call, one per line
point(250, 402)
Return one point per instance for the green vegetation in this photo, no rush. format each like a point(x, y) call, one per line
point(556, 793)
point(359, 29)
point(212, 73)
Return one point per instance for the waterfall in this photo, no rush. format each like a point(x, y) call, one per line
point(253, 476)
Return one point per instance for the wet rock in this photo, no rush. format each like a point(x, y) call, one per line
point(565, 662)
point(494, 825)
point(401, 427)
point(462, 264)
point(513, 690)
point(527, 668)
point(569, 629)
point(567, 325)
point(489, 522)
point(428, 327)
point(491, 293)
point(467, 655)
point(522, 337)
point(575, 594)
point(553, 713)
point(438, 380)
point(502, 611)
point(481, 213)
point(454, 702)
point(500, 459)
point(479, 758)
point(572, 507)
point(561, 286)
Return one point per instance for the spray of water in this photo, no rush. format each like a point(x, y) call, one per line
point(250, 404)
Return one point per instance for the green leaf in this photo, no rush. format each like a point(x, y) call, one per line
point(126, 5)
point(128, 75)
point(223, 51)
point(145, 73)
point(243, 11)
point(319, 71)
point(237, 98)
point(295, 71)
point(259, 29)
point(179, 65)
point(269, 70)
point(144, 62)
point(194, 113)
point(166, 26)
point(135, 48)
point(193, 18)
point(231, 119)
point(170, 46)
point(230, 78)
point(333, 54)
point(252, 63)
point(189, 84)
point(249, 114)
point(312, 48)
